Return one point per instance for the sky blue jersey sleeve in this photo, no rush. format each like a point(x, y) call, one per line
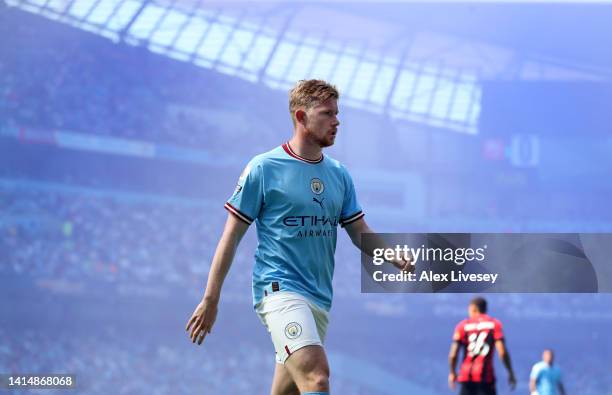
point(247, 199)
point(351, 210)
point(535, 371)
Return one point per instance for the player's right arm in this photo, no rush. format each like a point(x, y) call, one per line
point(452, 364)
point(504, 355)
point(532, 386)
point(458, 335)
point(205, 313)
point(533, 379)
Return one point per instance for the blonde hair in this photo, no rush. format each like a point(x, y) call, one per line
point(310, 93)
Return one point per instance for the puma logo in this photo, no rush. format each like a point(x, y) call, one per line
point(314, 199)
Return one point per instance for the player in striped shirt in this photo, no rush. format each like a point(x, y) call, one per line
point(478, 337)
point(297, 197)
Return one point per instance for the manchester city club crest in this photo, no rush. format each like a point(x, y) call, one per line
point(317, 186)
point(293, 330)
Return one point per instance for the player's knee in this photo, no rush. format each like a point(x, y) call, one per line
point(319, 379)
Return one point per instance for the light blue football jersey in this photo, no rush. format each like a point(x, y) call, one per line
point(297, 205)
point(547, 378)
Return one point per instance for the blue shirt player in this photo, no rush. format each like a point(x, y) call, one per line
point(297, 197)
point(545, 378)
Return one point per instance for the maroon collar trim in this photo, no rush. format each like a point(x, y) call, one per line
point(290, 152)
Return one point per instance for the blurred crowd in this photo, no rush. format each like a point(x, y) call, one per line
point(82, 237)
point(53, 77)
point(56, 78)
point(110, 360)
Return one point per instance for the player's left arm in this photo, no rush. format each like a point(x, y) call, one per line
point(357, 228)
point(504, 355)
point(561, 388)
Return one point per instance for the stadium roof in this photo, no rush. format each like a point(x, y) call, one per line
point(416, 61)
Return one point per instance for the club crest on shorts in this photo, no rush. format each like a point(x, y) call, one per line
point(317, 186)
point(293, 330)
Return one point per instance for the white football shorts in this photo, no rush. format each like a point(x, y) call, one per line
point(293, 322)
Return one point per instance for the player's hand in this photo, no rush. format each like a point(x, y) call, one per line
point(202, 320)
point(405, 265)
point(512, 382)
point(452, 379)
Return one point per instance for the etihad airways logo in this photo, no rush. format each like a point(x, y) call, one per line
point(310, 220)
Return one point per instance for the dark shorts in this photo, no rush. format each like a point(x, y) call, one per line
point(478, 389)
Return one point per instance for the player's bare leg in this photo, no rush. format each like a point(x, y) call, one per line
point(282, 383)
point(309, 369)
